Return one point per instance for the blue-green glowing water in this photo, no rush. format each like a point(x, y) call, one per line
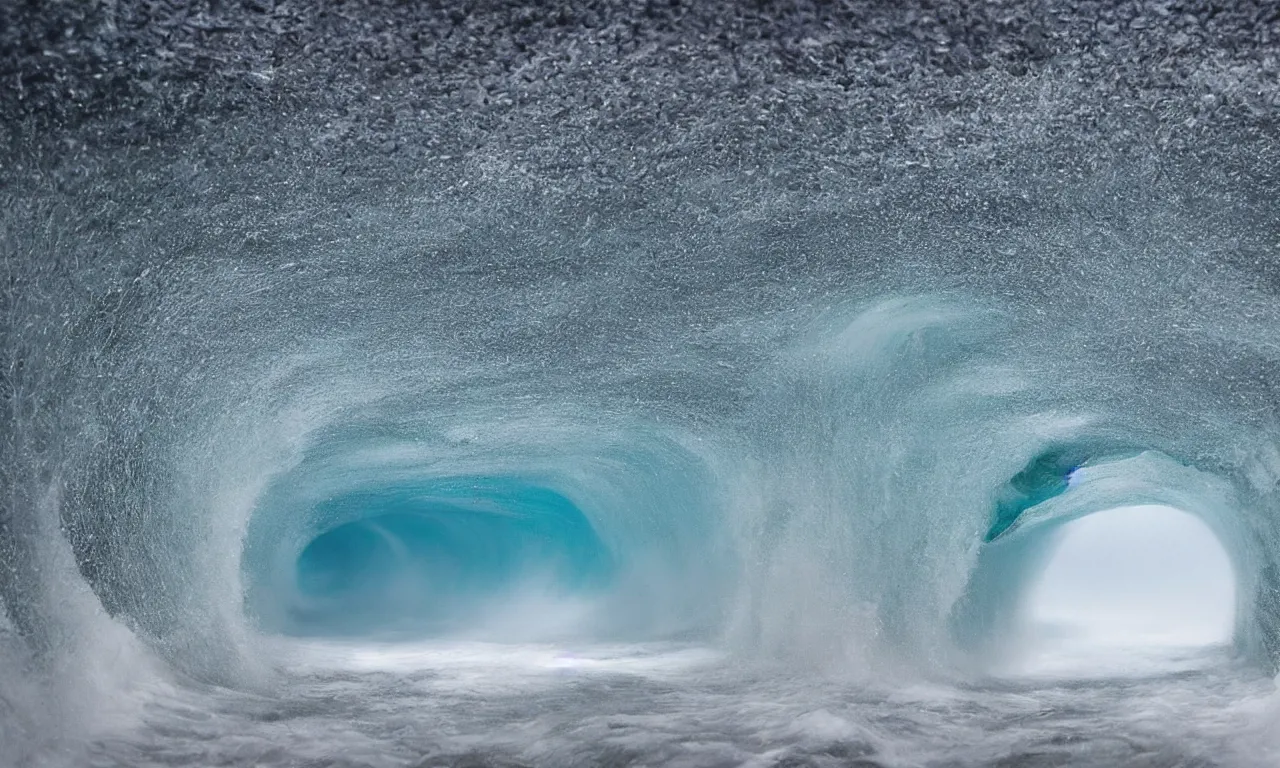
point(432, 556)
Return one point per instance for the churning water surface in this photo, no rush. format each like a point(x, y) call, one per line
point(677, 385)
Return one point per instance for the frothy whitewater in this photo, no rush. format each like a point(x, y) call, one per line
point(391, 426)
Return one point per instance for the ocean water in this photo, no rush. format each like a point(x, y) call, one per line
point(752, 446)
point(473, 703)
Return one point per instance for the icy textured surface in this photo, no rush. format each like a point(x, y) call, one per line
point(625, 384)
